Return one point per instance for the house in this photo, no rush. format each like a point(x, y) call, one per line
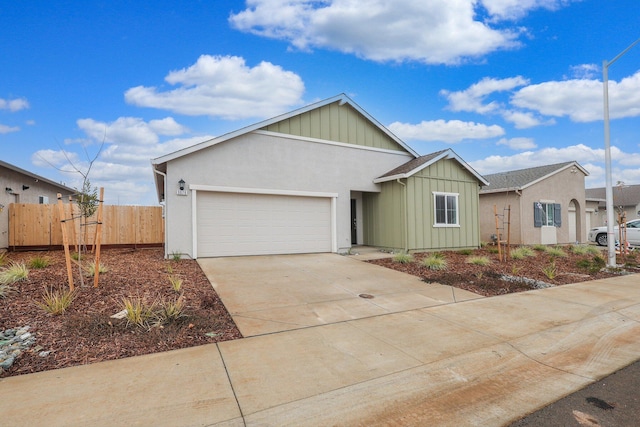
point(626, 198)
point(547, 205)
point(20, 186)
point(322, 178)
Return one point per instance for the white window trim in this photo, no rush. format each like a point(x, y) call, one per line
point(435, 215)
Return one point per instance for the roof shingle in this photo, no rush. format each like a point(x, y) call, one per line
point(519, 179)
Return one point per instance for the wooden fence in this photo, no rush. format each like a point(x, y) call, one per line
point(35, 225)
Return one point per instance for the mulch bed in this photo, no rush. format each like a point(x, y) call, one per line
point(486, 280)
point(86, 332)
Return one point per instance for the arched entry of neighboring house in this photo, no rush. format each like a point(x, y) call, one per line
point(575, 222)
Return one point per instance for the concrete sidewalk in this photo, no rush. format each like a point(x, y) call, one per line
point(483, 362)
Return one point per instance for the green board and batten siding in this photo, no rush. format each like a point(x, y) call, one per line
point(334, 122)
point(384, 213)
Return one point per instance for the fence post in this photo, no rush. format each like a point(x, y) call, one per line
point(65, 241)
point(96, 240)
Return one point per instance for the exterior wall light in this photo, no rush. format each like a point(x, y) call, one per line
point(25, 187)
point(182, 188)
point(8, 189)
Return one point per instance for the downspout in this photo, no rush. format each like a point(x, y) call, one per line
point(405, 223)
point(166, 208)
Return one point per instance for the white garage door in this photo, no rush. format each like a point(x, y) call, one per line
point(257, 224)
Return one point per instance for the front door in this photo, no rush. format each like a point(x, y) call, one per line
point(354, 223)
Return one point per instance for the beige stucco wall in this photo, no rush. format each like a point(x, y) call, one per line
point(263, 161)
point(15, 180)
point(502, 203)
point(562, 188)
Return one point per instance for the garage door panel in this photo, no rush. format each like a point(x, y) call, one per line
point(257, 224)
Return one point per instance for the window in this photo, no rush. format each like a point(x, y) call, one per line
point(43, 200)
point(547, 214)
point(446, 209)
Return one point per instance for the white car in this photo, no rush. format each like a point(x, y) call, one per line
point(599, 234)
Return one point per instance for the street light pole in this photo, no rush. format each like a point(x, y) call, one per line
point(611, 259)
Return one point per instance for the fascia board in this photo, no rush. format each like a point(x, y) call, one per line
point(411, 172)
point(37, 177)
point(452, 155)
point(245, 130)
point(501, 190)
point(342, 98)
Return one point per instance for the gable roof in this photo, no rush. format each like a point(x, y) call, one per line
point(342, 99)
point(523, 178)
point(627, 195)
point(37, 177)
point(416, 165)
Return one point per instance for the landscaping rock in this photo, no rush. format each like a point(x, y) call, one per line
point(12, 343)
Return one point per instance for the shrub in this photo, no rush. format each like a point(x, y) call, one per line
point(435, 261)
point(5, 290)
point(478, 260)
point(91, 268)
point(585, 250)
point(171, 311)
point(556, 252)
point(465, 251)
point(39, 262)
point(403, 258)
point(14, 273)
point(522, 252)
point(56, 302)
point(492, 249)
point(550, 271)
point(3, 258)
point(176, 255)
point(138, 312)
point(540, 248)
point(584, 263)
point(176, 282)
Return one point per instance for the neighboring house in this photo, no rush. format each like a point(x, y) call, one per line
point(547, 205)
point(626, 198)
point(322, 178)
point(20, 186)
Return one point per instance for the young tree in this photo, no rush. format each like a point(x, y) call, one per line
point(86, 199)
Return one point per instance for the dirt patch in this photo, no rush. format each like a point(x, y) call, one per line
point(86, 332)
point(523, 274)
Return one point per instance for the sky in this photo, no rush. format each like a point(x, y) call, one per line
point(506, 84)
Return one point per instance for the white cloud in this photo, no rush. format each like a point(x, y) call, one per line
point(131, 130)
point(8, 129)
point(581, 100)
point(224, 87)
point(518, 143)
point(451, 131)
point(57, 159)
point(14, 105)
point(123, 166)
point(524, 120)
point(472, 99)
point(585, 71)
point(580, 153)
point(433, 32)
point(514, 9)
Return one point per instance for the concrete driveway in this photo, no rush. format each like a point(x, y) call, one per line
point(267, 294)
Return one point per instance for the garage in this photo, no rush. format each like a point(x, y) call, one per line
point(234, 224)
